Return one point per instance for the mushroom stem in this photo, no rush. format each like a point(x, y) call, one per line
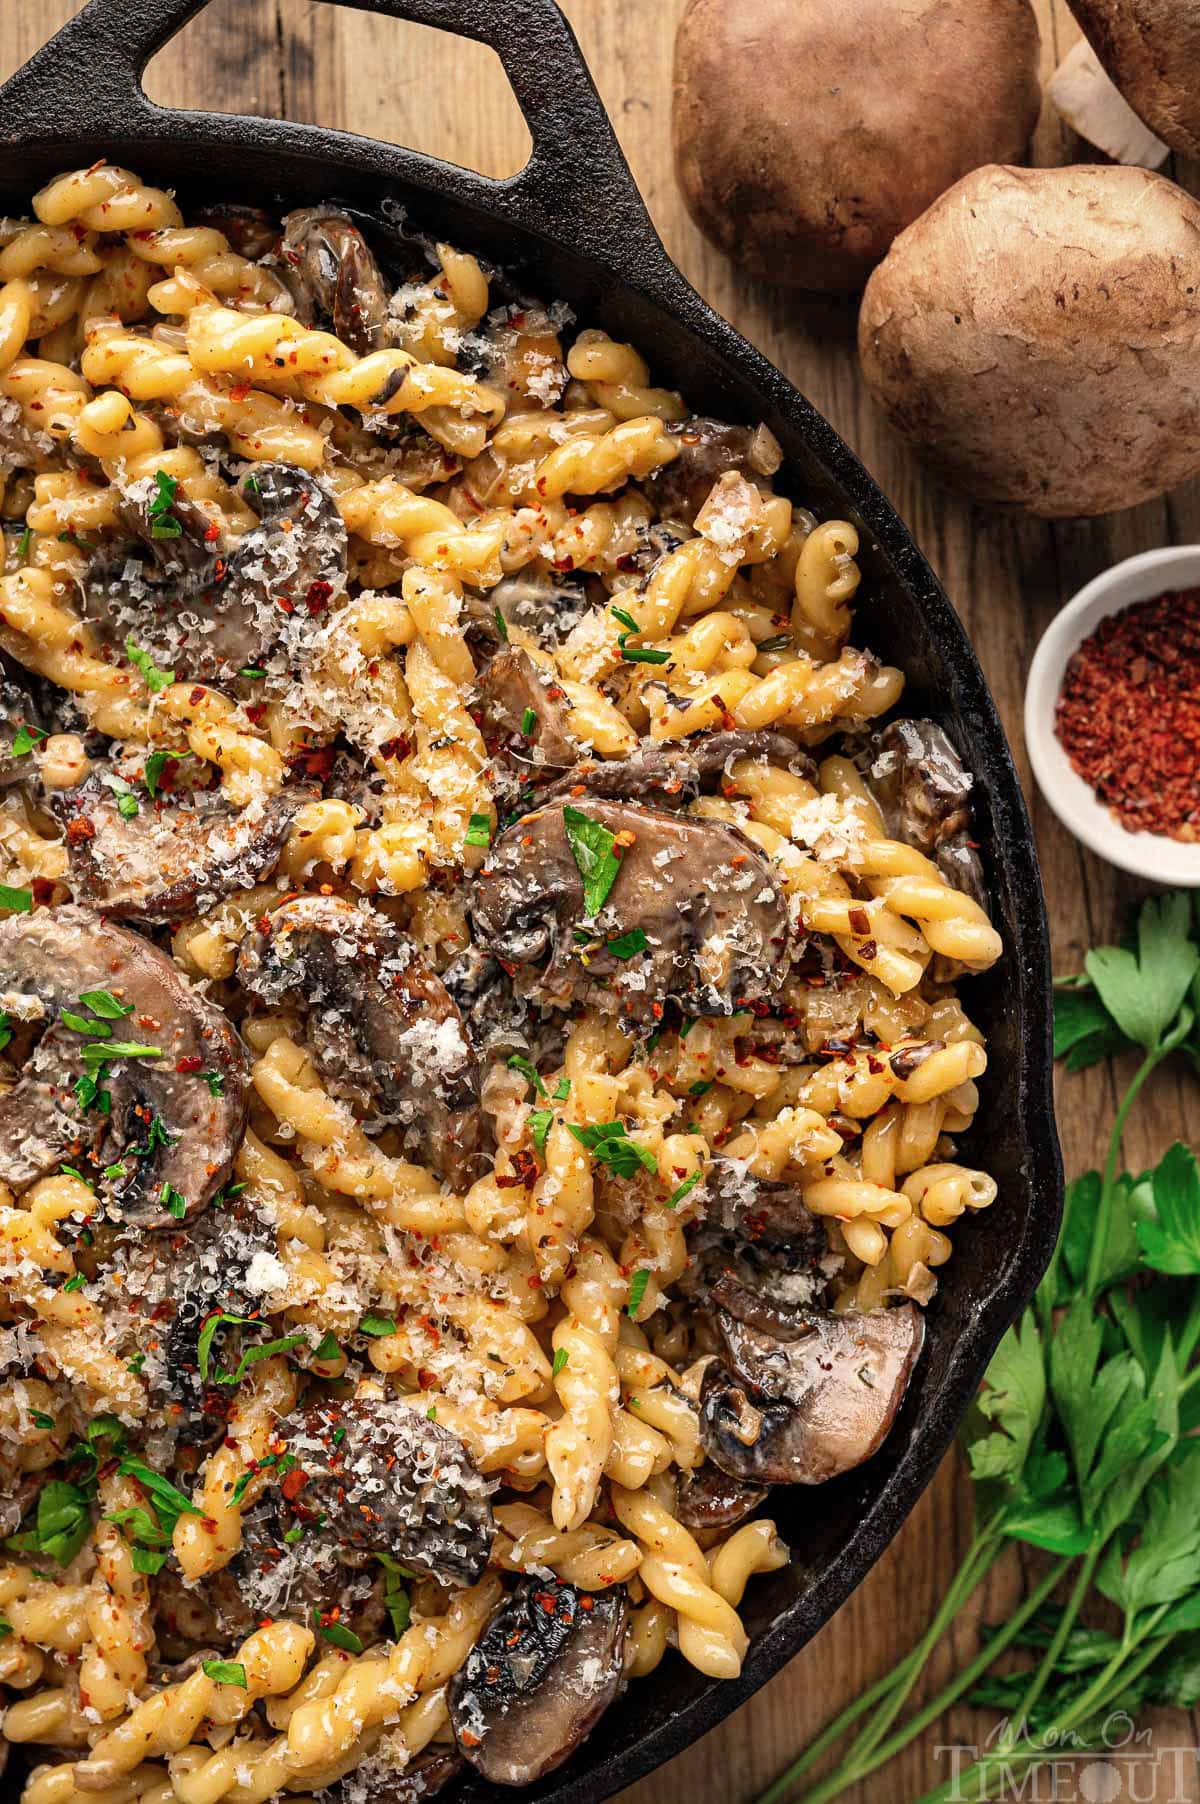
point(1094, 107)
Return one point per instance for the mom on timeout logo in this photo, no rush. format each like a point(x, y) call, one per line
point(1128, 1767)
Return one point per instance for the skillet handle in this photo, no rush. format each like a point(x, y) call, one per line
point(576, 185)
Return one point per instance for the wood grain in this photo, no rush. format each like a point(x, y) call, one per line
point(1007, 577)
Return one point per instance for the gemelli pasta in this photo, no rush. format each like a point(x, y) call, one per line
point(481, 1065)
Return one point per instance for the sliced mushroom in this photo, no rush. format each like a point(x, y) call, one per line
point(335, 279)
point(250, 230)
point(756, 1249)
point(379, 1781)
point(381, 1025)
point(707, 449)
point(672, 776)
point(494, 1017)
point(810, 1408)
point(709, 1498)
point(175, 1120)
point(538, 1680)
point(379, 1477)
point(924, 794)
point(176, 855)
point(208, 608)
point(524, 717)
point(547, 606)
point(710, 908)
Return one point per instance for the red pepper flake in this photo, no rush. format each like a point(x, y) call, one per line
point(212, 532)
point(316, 598)
point(1128, 714)
point(80, 831)
point(240, 391)
point(191, 1063)
point(293, 1483)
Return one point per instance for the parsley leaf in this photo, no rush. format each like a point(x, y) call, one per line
point(337, 1633)
point(479, 831)
point(61, 1526)
point(155, 679)
point(561, 1360)
point(592, 846)
point(1013, 1396)
point(539, 1126)
point(529, 1072)
point(105, 1004)
point(627, 945)
point(1145, 990)
point(164, 524)
point(1084, 1031)
point(224, 1672)
point(609, 1144)
point(377, 1326)
point(637, 1290)
point(17, 901)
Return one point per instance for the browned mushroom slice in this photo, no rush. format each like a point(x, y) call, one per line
point(546, 606)
point(694, 911)
point(709, 1498)
point(381, 1025)
point(335, 278)
point(924, 794)
point(672, 776)
point(379, 1477)
point(525, 716)
point(805, 1410)
point(176, 1112)
point(707, 449)
point(538, 1680)
point(250, 230)
point(176, 855)
point(379, 1781)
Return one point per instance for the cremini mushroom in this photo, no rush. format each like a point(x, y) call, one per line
point(382, 1027)
point(808, 1408)
point(672, 776)
point(334, 278)
point(707, 1498)
point(380, 1477)
point(538, 1680)
point(673, 906)
point(1151, 51)
point(807, 136)
point(173, 854)
point(524, 717)
point(18, 711)
point(123, 1020)
point(923, 790)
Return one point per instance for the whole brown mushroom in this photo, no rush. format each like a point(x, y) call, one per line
point(1151, 50)
point(1036, 336)
point(806, 136)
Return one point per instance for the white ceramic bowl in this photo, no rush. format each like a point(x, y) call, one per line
point(1139, 578)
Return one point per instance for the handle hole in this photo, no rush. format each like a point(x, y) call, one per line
point(328, 65)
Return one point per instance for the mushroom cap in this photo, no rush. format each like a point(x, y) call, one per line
point(334, 278)
point(57, 956)
point(380, 1477)
point(713, 914)
point(538, 1679)
point(807, 136)
point(1151, 51)
point(807, 1409)
point(1036, 336)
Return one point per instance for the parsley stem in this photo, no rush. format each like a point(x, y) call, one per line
point(848, 1773)
point(1044, 1671)
point(904, 1674)
point(1108, 1185)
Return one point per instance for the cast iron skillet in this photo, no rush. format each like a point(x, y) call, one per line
point(572, 225)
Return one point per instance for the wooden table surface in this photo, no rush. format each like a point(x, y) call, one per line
point(1007, 577)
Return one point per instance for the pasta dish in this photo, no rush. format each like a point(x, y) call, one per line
point(481, 1064)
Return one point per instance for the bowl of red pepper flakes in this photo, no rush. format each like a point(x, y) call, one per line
point(1112, 715)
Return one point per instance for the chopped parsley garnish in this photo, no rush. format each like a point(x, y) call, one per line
point(591, 846)
point(337, 1633)
point(17, 901)
point(528, 1071)
point(5, 1031)
point(105, 1004)
point(136, 1363)
point(99, 1053)
point(61, 1526)
point(252, 671)
point(75, 1283)
point(779, 642)
point(479, 831)
point(294, 1534)
point(625, 619)
point(5, 1627)
point(628, 945)
point(637, 1289)
point(215, 1082)
point(149, 1560)
point(173, 1201)
point(127, 805)
point(163, 1493)
point(395, 1597)
point(501, 623)
point(214, 1375)
point(700, 1088)
point(561, 1357)
point(644, 654)
point(378, 1326)
point(155, 679)
point(280, 1463)
point(88, 1093)
point(539, 1126)
point(25, 739)
point(73, 1171)
point(24, 543)
point(79, 1024)
point(330, 1347)
point(156, 763)
point(562, 1089)
point(164, 523)
point(40, 1419)
point(528, 722)
point(685, 1189)
point(224, 1672)
point(609, 1144)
